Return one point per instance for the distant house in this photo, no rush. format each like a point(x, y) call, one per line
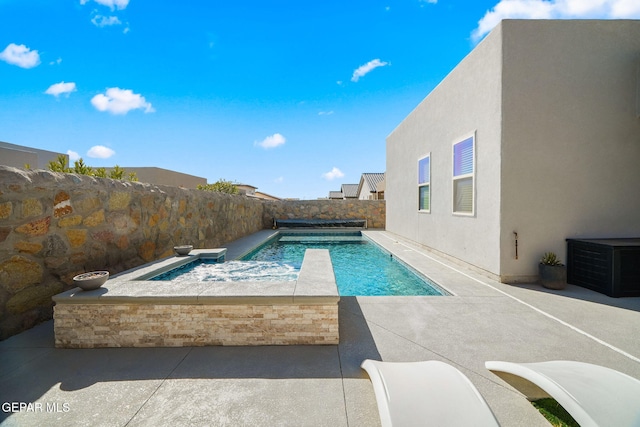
point(370, 187)
point(350, 191)
point(19, 156)
point(160, 176)
point(532, 139)
point(347, 191)
point(250, 191)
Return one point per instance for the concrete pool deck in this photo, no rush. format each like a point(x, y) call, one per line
point(324, 385)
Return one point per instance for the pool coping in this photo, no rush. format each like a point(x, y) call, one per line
point(315, 285)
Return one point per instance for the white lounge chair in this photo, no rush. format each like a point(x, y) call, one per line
point(426, 393)
point(592, 394)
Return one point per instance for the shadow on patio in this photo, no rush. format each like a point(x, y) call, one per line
point(32, 367)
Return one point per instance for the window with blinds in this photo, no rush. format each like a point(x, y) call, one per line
point(464, 176)
point(424, 184)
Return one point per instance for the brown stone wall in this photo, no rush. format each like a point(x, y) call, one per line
point(54, 226)
point(374, 211)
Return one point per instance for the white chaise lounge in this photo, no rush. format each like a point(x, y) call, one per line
point(592, 394)
point(429, 393)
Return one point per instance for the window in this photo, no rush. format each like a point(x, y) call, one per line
point(424, 183)
point(464, 176)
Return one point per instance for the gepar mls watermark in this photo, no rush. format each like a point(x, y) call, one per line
point(13, 407)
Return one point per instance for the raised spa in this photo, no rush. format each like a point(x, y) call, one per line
point(132, 311)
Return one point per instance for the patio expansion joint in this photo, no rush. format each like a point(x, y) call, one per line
point(344, 393)
point(153, 393)
point(540, 311)
point(451, 361)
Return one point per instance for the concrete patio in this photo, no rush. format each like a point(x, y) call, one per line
point(324, 385)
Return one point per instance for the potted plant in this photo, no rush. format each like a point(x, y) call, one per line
point(553, 274)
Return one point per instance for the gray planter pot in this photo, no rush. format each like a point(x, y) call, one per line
point(553, 276)
point(91, 280)
point(183, 249)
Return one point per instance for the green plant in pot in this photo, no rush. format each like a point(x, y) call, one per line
point(553, 274)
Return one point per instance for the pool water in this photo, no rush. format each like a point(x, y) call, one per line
point(361, 267)
point(203, 270)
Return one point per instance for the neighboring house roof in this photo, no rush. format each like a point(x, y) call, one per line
point(335, 195)
point(250, 191)
point(265, 196)
point(350, 191)
point(246, 186)
point(372, 180)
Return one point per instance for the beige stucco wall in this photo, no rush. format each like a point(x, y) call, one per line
point(466, 101)
point(159, 176)
point(571, 136)
point(18, 156)
point(554, 107)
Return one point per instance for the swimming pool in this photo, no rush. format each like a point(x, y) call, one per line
point(361, 267)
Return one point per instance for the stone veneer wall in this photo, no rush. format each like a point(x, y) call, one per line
point(374, 211)
point(54, 226)
point(186, 325)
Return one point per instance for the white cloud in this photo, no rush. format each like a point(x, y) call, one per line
point(105, 21)
point(362, 70)
point(279, 180)
point(100, 152)
point(20, 55)
point(333, 174)
point(555, 9)
point(120, 101)
point(61, 88)
point(626, 9)
point(56, 62)
point(112, 4)
point(272, 141)
point(73, 156)
point(325, 113)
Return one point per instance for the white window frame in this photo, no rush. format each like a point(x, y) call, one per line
point(471, 175)
point(424, 184)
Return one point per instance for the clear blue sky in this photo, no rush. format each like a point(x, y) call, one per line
point(293, 97)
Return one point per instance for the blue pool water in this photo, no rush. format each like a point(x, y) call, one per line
point(361, 267)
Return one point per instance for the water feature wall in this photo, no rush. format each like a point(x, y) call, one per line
point(54, 226)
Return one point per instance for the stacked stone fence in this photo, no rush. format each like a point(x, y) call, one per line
point(371, 210)
point(54, 226)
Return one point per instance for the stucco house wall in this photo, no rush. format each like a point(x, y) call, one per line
point(365, 191)
point(571, 136)
point(18, 156)
point(553, 105)
point(160, 176)
point(467, 101)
